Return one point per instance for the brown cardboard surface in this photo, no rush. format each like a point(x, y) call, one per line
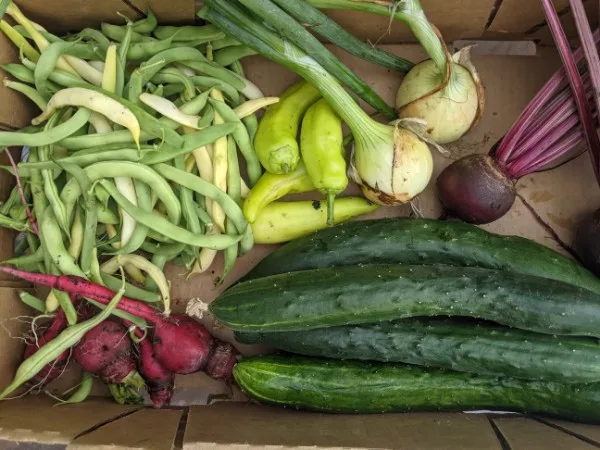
point(13, 324)
point(456, 20)
point(527, 434)
point(591, 432)
point(34, 419)
point(543, 34)
point(146, 429)
point(231, 425)
point(518, 16)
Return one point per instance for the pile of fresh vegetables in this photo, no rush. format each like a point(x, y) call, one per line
point(148, 150)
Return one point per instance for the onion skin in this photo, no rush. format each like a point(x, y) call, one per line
point(587, 244)
point(475, 190)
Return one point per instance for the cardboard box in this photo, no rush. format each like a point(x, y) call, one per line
point(206, 414)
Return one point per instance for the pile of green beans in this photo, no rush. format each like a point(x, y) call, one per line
point(94, 190)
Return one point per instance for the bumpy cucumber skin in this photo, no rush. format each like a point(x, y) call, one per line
point(422, 241)
point(458, 345)
point(359, 387)
point(355, 295)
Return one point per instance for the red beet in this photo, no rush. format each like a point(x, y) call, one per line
point(475, 190)
point(159, 381)
point(51, 371)
point(101, 346)
point(221, 361)
point(181, 344)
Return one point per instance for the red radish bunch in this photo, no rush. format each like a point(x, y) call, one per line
point(180, 344)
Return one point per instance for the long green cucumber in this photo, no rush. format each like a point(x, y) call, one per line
point(368, 294)
point(459, 345)
point(422, 241)
point(359, 387)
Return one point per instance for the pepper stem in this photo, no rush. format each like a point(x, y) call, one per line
point(330, 209)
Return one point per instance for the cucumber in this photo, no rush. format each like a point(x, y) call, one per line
point(449, 344)
point(367, 294)
point(422, 241)
point(359, 387)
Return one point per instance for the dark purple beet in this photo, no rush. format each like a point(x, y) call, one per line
point(102, 345)
point(475, 190)
point(587, 242)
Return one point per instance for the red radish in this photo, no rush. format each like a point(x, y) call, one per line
point(481, 188)
point(106, 350)
point(159, 381)
point(221, 362)
point(181, 344)
point(51, 371)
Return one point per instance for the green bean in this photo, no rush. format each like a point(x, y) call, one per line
point(158, 237)
point(122, 59)
point(211, 69)
point(147, 24)
point(47, 64)
point(197, 104)
point(144, 201)
point(20, 72)
point(131, 291)
point(23, 32)
point(47, 137)
point(32, 301)
point(117, 33)
point(27, 91)
point(204, 83)
point(180, 77)
point(22, 244)
point(13, 199)
point(242, 139)
point(36, 182)
point(234, 190)
point(168, 250)
point(227, 41)
point(65, 303)
point(159, 261)
point(106, 215)
point(87, 51)
point(50, 188)
point(197, 184)
point(141, 51)
point(96, 36)
point(229, 55)
point(18, 212)
point(17, 225)
point(52, 350)
point(192, 141)
point(32, 258)
point(159, 90)
point(203, 215)
point(121, 137)
point(100, 170)
point(165, 227)
point(54, 245)
point(101, 195)
point(84, 159)
point(82, 393)
point(148, 69)
point(187, 203)
point(251, 121)
point(91, 213)
point(204, 33)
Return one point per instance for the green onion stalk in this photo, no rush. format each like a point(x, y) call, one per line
point(391, 163)
point(445, 90)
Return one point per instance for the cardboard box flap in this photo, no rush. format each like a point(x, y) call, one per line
point(586, 432)
point(236, 425)
point(527, 434)
point(148, 429)
point(543, 35)
point(518, 16)
point(35, 419)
